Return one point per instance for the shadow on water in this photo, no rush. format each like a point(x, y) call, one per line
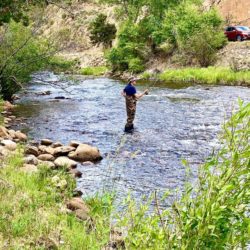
point(172, 123)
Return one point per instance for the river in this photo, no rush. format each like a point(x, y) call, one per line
point(173, 122)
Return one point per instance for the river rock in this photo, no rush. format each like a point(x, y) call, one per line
point(4, 132)
point(49, 164)
point(87, 163)
point(10, 145)
point(65, 161)
point(57, 144)
point(74, 144)
point(31, 150)
point(29, 168)
point(42, 149)
point(77, 203)
point(12, 133)
point(85, 152)
point(21, 136)
point(7, 120)
point(46, 142)
point(77, 192)
point(82, 214)
point(75, 173)
point(63, 150)
point(46, 157)
point(31, 159)
point(4, 151)
point(49, 150)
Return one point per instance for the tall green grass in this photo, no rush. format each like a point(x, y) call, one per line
point(33, 213)
point(210, 75)
point(94, 71)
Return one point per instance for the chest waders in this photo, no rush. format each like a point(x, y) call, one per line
point(131, 109)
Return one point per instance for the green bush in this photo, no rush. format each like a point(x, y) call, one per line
point(131, 49)
point(135, 65)
point(101, 31)
point(196, 33)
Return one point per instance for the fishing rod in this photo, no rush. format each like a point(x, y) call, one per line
point(152, 85)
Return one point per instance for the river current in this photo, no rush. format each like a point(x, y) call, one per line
point(174, 122)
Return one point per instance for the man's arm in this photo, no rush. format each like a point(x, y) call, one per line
point(140, 95)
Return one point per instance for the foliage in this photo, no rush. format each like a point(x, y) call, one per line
point(22, 52)
point(131, 48)
point(33, 213)
point(214, 213)
point(165, 26)
point(195, 33)
point(101, 31)
point(210, 75)
point(94, 71)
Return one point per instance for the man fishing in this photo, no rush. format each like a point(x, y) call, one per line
point(131, 97)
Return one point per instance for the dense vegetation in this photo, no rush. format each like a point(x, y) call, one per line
point(101, 31)
point(211, 214)
point(149, 28)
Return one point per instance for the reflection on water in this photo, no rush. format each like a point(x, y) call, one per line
point(171, 124)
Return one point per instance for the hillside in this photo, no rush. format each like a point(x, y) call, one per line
point(233, 11)
point(74, 21)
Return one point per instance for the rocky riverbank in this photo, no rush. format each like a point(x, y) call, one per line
point(54, 157)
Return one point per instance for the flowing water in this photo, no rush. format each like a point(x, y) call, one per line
point(172, 123)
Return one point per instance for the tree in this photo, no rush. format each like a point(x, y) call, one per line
point(101, 31)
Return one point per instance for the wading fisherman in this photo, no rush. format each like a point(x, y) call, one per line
point(131, 97)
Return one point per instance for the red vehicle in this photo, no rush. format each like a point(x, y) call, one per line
point(237, 33)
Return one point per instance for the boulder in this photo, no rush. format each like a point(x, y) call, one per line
point(77, 203)
point(77, 192)
point(49, 164)
point(12, 133)
point(46, 142)
point(21, 136)
point(8, 144)
point(4, 151)
point(65, 161)
point(6, 120)
point(85, 152)
point(31, 159)
point(29, 168)
point(42, 149)
point(49, 150)
point(31, 150)
point(46, 157)
point(82, 214)
point(57, 144)
point(63, 150)
point(4, 132)
point(75, 173)
point(74, 144)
